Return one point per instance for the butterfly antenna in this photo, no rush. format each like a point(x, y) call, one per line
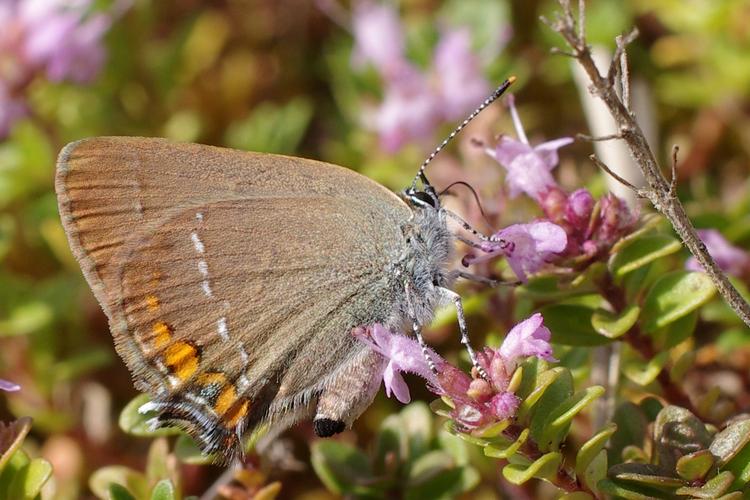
point(492, 98)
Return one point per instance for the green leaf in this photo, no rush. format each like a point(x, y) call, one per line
point(416, 421)
point(391, 446)
point(695, 466)
point(676, 332)
point(595, 471)
point(127, 479)
point(642, 251)
point(133, 422)
point(728, 443)
point(591, 448)
point(164, 490)
point(629, 491)
point(714, 487)
point(613, 325)
point(439, 478)
point(119, 492)
point(544, 380)
point(557, 392)
point(645, 474)
point(570, 324)
point(495, 450)
point(559, 420)
point(156, 464)
point(13, 467)
point(28, 482)
point(674, 296)
point(641, 371)
point(342, 468)
point(544, 467)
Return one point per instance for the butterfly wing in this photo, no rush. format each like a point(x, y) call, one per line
point(220, 270)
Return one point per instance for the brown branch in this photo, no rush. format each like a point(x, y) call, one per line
point(660, 195)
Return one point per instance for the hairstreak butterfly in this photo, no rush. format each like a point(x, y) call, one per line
point(232, 280)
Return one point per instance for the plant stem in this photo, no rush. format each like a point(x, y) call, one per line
point(660, 192)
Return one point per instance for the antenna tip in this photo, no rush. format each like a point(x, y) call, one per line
point(511, 79)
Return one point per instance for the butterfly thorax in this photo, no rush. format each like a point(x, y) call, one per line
point(424, 267)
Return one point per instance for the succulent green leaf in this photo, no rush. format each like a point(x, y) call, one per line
point(542, 382)
point(561, 417)
point(13, 466)
point(680, 367)
point(342, 468)
point(544, 467)
point(156, 463)
point(628, 491)
point(591, 448)
point(641, 371)
point(454, 446)
point(595, 471)
point(675, 332)
point(391, 445)
point(119, 492)
point(695, 466)
point(416, 420)
point(651, 475)
point(728, 443)
point(714, 487)
point(124, 479)
point(164, 490)
point(613, 325)
point(642, 251)
point(678, 432)
point(133, 422)
point(497, 451)
point(28, 481)
point(555, 394)
point(674, 296)
point(570, 324)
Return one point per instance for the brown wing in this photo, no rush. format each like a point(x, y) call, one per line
point(218, 269)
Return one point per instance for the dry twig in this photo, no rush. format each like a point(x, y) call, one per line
point(660, 192)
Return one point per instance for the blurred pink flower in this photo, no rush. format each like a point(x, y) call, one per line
point(414, 102)
point(8, 386)
point(59, 39)
point(461, 85)
point(528, 168)
point(477, 401)
point(731, 259)
point(378, 38)
point(527, 247)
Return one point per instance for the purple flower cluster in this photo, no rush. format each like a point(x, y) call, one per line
point(415, 102)
point(574, 224)
point(59, 39)
point(477, 401)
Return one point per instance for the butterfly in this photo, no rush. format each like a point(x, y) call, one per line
point(232, 280)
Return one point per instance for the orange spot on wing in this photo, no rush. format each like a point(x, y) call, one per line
point(236, 413)
point(162, 333)
point(225, 399)
point(211, 378)
point(182, 359)
point(152, 302)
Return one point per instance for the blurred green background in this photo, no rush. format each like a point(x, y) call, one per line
point(277, 76)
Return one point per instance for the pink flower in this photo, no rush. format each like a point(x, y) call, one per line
point(528, 338)
point(578, 209)
point(527, 247)
point(731, 259)
point(403, 354)
point(528, 168)
point(477, 401)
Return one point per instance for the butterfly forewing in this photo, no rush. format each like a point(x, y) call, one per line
point(231, 280)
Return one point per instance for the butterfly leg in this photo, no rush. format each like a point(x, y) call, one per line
point(348, 393)
point(456, 299)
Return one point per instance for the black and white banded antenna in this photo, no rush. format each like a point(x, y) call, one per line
point(492, 98)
